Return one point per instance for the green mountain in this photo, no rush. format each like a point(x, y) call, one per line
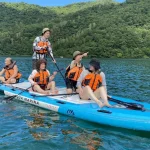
point(103, 28)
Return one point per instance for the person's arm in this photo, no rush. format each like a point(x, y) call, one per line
point(103, 80)
point(53, 76)
point(31, 77)
point(80, 79)
point(2, 72)
point(83, 55)
point(50, 51)
point(35, 44)
point(75, 62)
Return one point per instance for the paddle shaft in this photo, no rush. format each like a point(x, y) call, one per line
point(57, 66)
point(12, 97)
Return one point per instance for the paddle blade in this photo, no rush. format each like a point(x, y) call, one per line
point(9, 97)
point(134, 106)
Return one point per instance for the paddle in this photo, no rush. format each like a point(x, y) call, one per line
point(134, 106)
point(123, 104)
point(9, 98)
point(57, 66)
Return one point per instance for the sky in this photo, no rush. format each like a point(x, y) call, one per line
point(51, 2)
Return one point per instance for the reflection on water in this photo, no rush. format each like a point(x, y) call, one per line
point(39, 127)
point(42, 128)
point(38, 120)
point(86, 140)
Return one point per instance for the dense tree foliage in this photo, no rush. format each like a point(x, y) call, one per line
point(103, 27)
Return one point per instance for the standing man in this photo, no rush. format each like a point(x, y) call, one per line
point(42, 47)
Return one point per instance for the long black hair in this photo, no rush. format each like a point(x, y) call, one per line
point(95, 63)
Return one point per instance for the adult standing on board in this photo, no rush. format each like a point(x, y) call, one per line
point(42, 47)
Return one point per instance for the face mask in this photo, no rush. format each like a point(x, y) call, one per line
point(90, 70)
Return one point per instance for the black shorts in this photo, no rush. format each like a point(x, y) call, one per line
point(43, 87)
point(17, 80)
point(70, 84)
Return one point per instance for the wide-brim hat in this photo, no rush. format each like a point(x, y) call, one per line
point(45, 29)
point(76, 53)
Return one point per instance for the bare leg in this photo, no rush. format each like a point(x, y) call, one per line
point(12, 81)
point(101, 93)
point(2, 79)
point(69, 91)
point(88, 93)
point(51, 85)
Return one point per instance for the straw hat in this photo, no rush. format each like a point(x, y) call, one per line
point(76, 53)
point(45, 29)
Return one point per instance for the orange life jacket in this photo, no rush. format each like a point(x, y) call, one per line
point(43, 50)
point(74, 73)
point(41, 78)
point(9, 71)
point(93, 80)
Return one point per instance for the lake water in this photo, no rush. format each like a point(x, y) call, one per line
point(26, 127)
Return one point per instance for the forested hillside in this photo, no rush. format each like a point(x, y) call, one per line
point(103, 28)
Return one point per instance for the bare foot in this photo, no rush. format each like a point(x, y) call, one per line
point(54, 91)
point(108, 105)
point(30, 89)
point(100, 104)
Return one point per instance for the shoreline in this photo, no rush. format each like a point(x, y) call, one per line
point(61, 57)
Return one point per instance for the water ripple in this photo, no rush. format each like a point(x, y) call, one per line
point(24, 126)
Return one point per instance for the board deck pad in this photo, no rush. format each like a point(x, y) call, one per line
point(62, 90)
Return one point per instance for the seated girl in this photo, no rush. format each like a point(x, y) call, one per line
point(41, 80)
point(92, 85)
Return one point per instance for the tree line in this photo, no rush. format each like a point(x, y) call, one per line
point(104, 28)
